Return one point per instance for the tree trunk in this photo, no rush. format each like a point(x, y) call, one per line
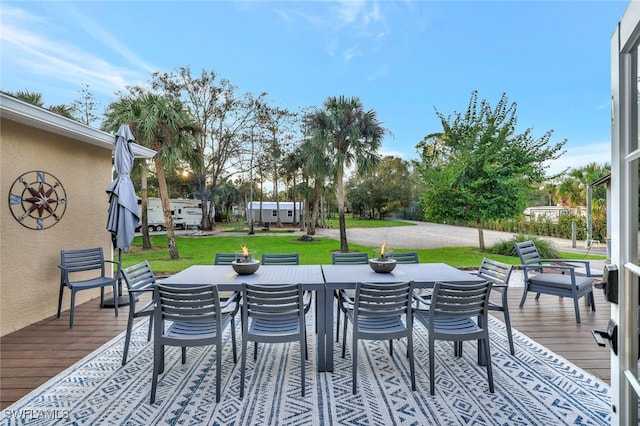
point(166, 209)
point(205, 223)
point(275, 186)
point(316, 207)
point(323, 209)
point(480, 235)
point(294, 200)
point(344, 246)
point(144, 203)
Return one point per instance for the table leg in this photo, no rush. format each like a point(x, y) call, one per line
point(321, 329)
point(328, 297)
point(482, 359)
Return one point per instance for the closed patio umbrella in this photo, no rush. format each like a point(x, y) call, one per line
point(123, 204)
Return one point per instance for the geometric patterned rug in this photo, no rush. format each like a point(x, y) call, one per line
point(534, 387)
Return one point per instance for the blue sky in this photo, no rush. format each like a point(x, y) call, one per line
point(401, 58)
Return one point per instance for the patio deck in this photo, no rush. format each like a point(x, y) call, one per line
point(31, 356)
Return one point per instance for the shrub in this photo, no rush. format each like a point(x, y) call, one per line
point(507, 248)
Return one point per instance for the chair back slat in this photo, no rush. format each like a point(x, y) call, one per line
point(350, 258)
point(187, 303)
point(382, 300)
point(82, 260)
point(528, 253)
point(273, 301)
point(224, 258)
point(280, 259)
point(405, 257)
point(496, 272)
point(139, 276)
point(460, 300)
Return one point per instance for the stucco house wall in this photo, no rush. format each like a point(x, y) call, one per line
point(82, 161)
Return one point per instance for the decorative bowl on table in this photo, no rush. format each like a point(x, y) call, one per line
point(382, 265)
point(245, 266)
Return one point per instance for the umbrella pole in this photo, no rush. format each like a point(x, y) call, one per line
point(123, 300)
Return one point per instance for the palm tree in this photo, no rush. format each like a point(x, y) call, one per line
point(350, 137)
point(162, 124)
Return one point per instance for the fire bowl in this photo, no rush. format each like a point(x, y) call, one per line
point(383, 266)
point(245, 267)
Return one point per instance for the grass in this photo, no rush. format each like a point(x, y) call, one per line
point(202, 250)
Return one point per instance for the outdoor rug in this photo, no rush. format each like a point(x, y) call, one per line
point(534, 387)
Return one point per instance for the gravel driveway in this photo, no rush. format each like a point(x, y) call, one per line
point(428, 235)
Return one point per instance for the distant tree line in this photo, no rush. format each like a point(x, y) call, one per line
point(227, 148)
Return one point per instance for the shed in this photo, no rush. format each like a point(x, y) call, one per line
point(269, 211)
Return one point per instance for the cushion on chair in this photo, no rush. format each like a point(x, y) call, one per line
point(560, 281)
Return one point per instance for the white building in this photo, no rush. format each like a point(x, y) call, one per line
point(269, 212)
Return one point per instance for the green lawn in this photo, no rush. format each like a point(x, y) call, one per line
point(201, 250)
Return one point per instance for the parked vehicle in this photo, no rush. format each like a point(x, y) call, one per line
point(186, 213)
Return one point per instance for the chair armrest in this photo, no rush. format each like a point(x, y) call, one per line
point(345, 296)
point(232, 299)
point(585, 263)
point(543, 267)
point(421, 299)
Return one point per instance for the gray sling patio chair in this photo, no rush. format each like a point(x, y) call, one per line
point(273, 314)
point(188, 316)
point(345, 297)
point(224, 258)
point(139, 279)
point(499, 274)
point(378, 313)
point(84, 269)
point(457, 312)
point(554, 276)
point(280, 259)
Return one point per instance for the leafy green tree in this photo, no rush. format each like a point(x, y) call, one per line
point(479, 168)
point(349, 136)
point(225, 120)
point(35, 98)
point(162, 124)
point(385, 189)
point(277, 124)
point(84, 108)
point(573, 186)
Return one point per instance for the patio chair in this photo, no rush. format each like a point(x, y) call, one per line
point(188, 316)
point(277, 315)
point(345, 297)
point(139, 279)
point(377, 314)
point(405, 257)
point(554, 276)
point(499, 274)
point(226, 259)
point(457, 312)
point(280, 259)
point(82, 270)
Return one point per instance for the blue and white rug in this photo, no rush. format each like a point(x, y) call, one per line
point(534, 387)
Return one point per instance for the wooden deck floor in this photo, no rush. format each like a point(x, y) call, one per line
point(31, 356)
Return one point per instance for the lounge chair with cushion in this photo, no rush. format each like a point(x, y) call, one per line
point(554, 276)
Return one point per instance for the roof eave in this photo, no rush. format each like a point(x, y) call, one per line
point(14, 109)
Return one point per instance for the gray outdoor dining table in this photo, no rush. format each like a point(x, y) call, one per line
point(423, 275)
point(227, 279)
point(323, 280)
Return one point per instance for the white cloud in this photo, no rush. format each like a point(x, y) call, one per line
point(32, 46)
point(579, 156)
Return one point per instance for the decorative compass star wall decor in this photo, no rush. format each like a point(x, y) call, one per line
point(37, 200)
